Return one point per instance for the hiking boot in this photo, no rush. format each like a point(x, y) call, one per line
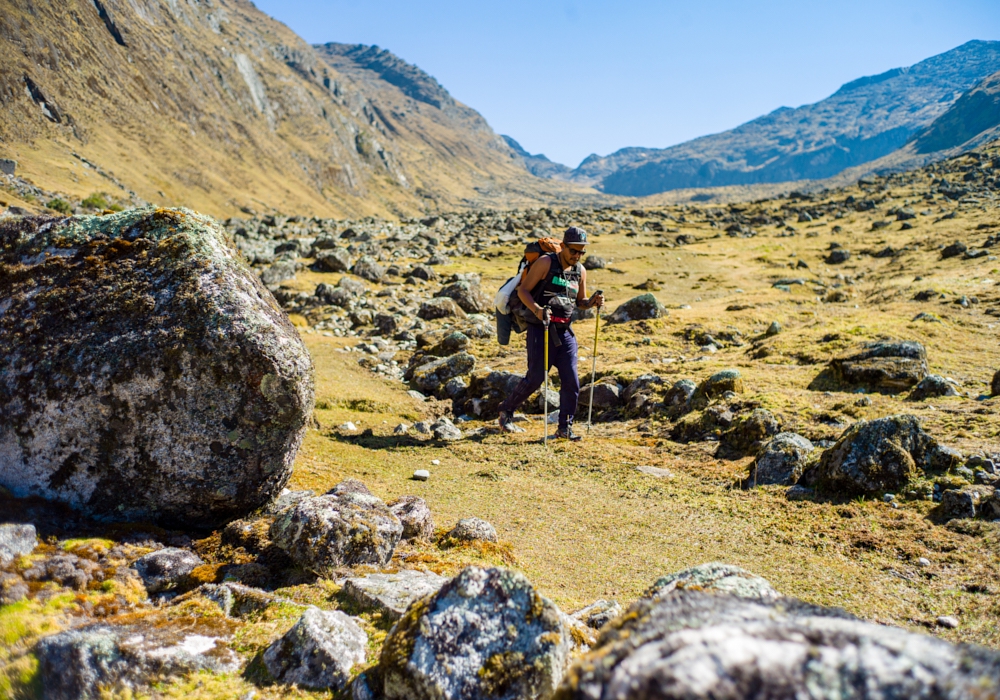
point(568, 434)
point(506, 423)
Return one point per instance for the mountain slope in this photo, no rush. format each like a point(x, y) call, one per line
point(864, 120)
point(215, 105)
point(976, 111)
point(538, 164)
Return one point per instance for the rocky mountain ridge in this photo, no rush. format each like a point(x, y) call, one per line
point(866, 119)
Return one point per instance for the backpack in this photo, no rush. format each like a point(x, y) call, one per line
point(507, 301)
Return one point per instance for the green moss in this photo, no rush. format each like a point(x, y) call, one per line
point(59, 205)
point(96, 200)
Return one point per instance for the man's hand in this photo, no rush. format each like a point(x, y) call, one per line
point(596, 300)
point(539, 313)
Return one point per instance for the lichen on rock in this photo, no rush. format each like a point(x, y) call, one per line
point(486, 634)
point(142, 352)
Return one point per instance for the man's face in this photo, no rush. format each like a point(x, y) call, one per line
point(575, 251)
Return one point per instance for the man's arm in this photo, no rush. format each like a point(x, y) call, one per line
point(536, 273)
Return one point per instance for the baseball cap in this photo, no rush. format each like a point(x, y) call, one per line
point(575, 235)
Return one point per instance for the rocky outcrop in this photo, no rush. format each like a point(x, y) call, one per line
point(326, 532)
point(166, 568)
point(693, 644)
point(415, 517)
point(717, 577)
point(140, 350)
point(486, 634)
point(391, 594)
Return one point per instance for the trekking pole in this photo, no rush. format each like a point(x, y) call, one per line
point(593, 371)
point(545, 410)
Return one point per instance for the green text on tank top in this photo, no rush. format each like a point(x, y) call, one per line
point(559, 289)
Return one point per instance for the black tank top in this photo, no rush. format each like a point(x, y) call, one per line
point(558, 290)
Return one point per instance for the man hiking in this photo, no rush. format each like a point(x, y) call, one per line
point(555, 284)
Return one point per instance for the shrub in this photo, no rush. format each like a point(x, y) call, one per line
point(59, 205)
point(95, 201)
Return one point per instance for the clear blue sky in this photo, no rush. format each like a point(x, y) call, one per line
point(574, 77)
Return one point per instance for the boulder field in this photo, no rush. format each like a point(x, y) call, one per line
point(147, 373)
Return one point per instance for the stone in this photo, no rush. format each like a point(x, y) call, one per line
point(995, 384)
point(166, 569)
point(598, 613)
point(319, 651)
point(748, 434)
point(451, 344)
point(237, 600)
point(414, 513)
point(334, 296)
point(285, 499)
point(932, 386)
point(605, 395)
point(279, 272)
point(947, 621)
point(454, 387)
point(702, 425)
point(468, 295)
point(327, 532)
point(432, 376)
point(639, 397)
point(838, 256)
point(594, 262)
point(781, 460)
point(16, 540)
point(644, 306)
point(444, 429)
point(658, 472)
point(696, 644)
point(392, 594)
point(334, 260)
point(84, 662)
point(471, 529)
point(772, 330)
point(8, 166)
point(485, 634)
point(876, 456)
point(423, 272)
point(962, 503)
point(349, 486)
point(680, 393)
point(368, 268)
point(440, 307)
point(421, 475)
point(954, 250)
point(889, 366)
point(156, 359)
point(715, 576)
point(717, 385)
point(13, 589)
point(798, 493)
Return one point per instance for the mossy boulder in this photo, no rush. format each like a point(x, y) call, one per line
point(487, 634)
point(748, 434)
point(319, 651)
point(696, 644)
point(324, 533)
point(715, 386)
point(879, 455)
point(702, 425)
point(781, 460)
point(147, 373)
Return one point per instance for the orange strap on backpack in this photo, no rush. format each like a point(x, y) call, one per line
point(535, 250)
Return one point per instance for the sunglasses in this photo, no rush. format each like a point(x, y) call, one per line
point(574, 251)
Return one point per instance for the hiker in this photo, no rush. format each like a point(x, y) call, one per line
point(557, 283)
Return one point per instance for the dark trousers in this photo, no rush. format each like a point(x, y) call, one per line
point(563, 356)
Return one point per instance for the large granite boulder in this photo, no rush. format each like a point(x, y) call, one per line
point(879, 455)
point(485, 634)
point(147, 374)
point(696, 644)
point(889, 366)
point(468, 295)
point(748, 434)
point(781, 460)
point(327, 532)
